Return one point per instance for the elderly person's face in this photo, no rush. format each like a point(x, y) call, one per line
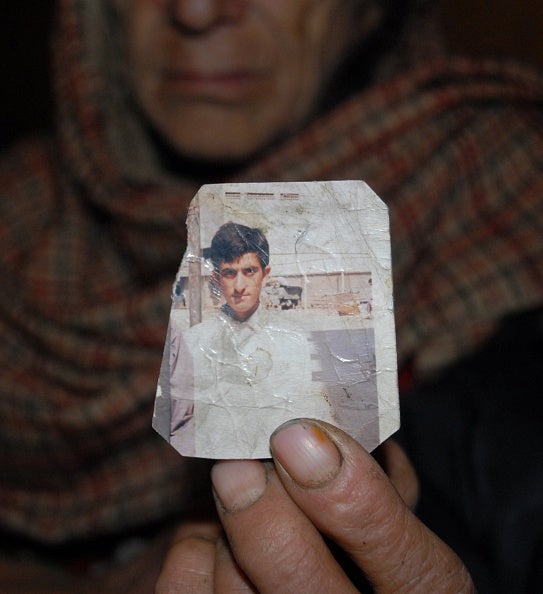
point(221, 79)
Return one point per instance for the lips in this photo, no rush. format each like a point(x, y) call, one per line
point(225, 85)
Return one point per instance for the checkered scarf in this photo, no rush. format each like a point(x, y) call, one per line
point(92, 232)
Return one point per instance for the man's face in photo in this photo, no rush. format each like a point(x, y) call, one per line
point(240, 282)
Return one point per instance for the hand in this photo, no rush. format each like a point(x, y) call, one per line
point(274, 516)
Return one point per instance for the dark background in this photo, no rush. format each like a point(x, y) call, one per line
point(25, 103)
point(493, 27)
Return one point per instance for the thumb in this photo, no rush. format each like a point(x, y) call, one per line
point(348, 497)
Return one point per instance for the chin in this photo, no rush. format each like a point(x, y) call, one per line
point(220, 148)
point(225, 137)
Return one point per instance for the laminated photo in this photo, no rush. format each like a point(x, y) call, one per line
point(282, 308)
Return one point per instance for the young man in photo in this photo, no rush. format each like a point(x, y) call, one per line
point(234, 378)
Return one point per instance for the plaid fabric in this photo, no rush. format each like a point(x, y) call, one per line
point(92, 232)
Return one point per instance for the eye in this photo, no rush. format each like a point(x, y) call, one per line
point(251, 271)
point(228, 273)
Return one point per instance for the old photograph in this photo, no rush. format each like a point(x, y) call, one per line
point(273, 317)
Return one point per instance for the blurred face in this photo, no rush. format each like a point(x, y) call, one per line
point(240, 282)
point(221, 79)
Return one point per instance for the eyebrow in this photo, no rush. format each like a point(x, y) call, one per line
point(245, 269)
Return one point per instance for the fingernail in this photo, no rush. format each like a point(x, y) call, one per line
point(238, 483)
point(306, 453)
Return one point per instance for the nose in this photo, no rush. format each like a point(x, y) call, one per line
point(240, 283)
point(197, 16)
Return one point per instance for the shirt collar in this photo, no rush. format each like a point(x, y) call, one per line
point(256, 321)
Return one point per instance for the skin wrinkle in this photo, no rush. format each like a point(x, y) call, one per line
point(393, 519)
point(191, 548)
point(402, 543)
point(428, 579)
point(349, 485)
point(189, 556)
point(300, 560)
point(388, 515)
point(281, 543)
point(226, 568)
point(423, 558)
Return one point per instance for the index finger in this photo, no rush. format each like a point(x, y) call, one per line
point(272, 540)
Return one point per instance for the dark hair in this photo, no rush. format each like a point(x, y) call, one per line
point(232, 241)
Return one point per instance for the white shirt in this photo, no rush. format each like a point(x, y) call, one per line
point(233, 383)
